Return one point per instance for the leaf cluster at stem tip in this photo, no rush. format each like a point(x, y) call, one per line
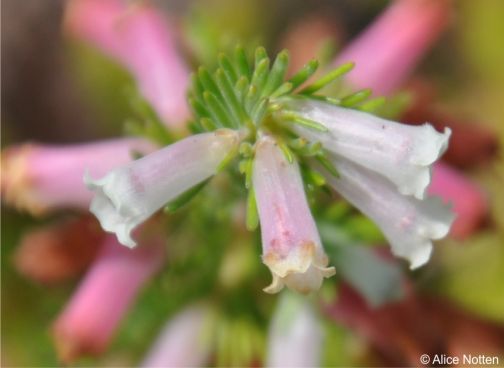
point(243, 93)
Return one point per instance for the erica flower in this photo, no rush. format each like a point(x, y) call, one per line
point(401, 153)
point(130, 194)
point(279, 129)
point(291, 244)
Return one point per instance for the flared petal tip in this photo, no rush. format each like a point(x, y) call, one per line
point(304, 278)
point(420, 256)
point(108, 213)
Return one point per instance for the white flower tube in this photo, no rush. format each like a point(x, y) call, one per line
point(402, 153)
point(291, 244)
point(409, 224)
point(128, 195)
point(296, 335)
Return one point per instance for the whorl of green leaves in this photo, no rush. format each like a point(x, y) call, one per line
point(240, 93)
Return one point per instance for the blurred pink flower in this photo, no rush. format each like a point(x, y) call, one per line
point(296, 335)
point(387, 51)
point(469, 202)
point(184, 341)
point(140, 39)
point(93, 314)
point(44, 178)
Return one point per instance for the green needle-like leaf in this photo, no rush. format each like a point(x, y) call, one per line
point(230, 97)
point(327, 165)
point(217, 110)
point(242, 63)
point(208, 124)
point(252, 221)
point(184, 198)
point(228, 68)
point(277, 73)
point(304, 74)
point(208, 83)
point(328, 78)
point(260, 55)
point(251, 98)
point(259, 111)
point(241, 88)
point(372, 105)
point(198, 108)
point(284, 88)
point(295, 118)
point(286, 151)
point(355, 98)
point(260, 75)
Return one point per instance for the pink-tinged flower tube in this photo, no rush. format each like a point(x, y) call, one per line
point(88, 322)
point(387, 51)
point(291, 244)
point(138, 37)
point(409, 224)
point(296, 336)
point(42, 178)
point(469, 202)
point(402, 153)
point(130, 194)
point(185, 340)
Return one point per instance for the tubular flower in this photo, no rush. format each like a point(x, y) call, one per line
point(93, 314)
point(283, 133)
point(43, 178)
point(130, 194)
point(401, 153)
point(291, 243)
point(408, 223)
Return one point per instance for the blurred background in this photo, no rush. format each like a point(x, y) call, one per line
point(56, 89)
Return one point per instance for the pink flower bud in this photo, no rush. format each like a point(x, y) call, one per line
point(93, 314)
point(41, 178)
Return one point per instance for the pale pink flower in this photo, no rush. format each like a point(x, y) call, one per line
point(401, 153)
point(130, 194)
point(185, 341)
point(291, 244)
point(139, 38)
point(93, 314)
point(42, 178)
point(384, 55)
point(409, 224)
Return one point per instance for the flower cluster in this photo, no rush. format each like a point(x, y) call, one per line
point(287, 135)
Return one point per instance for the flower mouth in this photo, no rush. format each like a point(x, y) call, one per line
point(302, 270)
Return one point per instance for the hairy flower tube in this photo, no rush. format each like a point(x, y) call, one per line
point(288, 136)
